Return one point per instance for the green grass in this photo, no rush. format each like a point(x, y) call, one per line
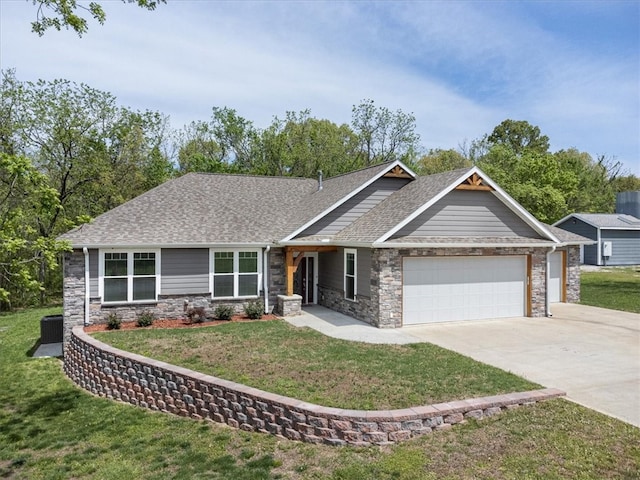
point(304, 364)
point(51, 429)
point(617, 288)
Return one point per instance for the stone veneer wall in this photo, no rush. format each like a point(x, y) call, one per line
point(332, 298)
point(115, 374)
point(73, 292)
point(289, 305)
point(573, 274)
point(386, 281)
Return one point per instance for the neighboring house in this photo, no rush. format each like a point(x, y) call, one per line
point(379, 244)
point(617, 237)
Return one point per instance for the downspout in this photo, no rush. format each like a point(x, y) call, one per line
point(87, 283)
point(548, 282)
point(265, 277)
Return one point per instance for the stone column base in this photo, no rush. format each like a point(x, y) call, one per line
point(288, 306)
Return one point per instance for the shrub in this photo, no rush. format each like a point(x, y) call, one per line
point(145, 319)
point(254, 309)
point(223, 312)
point(113, 322)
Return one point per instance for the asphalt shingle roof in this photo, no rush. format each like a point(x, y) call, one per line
point(610, 220)
point(204, 209)
point(214, 209)
point(568, 237)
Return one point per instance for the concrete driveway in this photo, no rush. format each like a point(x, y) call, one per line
point(591, 353)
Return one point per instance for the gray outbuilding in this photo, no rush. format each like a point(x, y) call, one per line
point(616, 235)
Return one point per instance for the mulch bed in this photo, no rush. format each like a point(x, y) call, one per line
point(176, 323)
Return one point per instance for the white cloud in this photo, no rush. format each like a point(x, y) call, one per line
point(460, 67)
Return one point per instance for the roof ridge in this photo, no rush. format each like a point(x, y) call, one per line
point(377, 165)
point(242, 175)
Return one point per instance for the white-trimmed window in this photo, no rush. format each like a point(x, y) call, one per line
point(235, 273)
point(350, 273)
point(129, 276)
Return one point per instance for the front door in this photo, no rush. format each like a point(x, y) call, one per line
point(308, 278)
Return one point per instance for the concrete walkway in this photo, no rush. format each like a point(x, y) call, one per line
point(591, 353)
point(337, 325)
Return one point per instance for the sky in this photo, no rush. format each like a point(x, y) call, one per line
point(572, 68)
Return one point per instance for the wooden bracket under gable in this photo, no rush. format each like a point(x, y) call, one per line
point(397, 172)
point(474, 182)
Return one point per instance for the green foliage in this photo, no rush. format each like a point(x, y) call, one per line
point(145, 319)
point(549, 185)
point(223, 312)
point(64, 13)
point(26, 202)
point(113, 321)
point(254, 309)
point(626, 183)
point(519, 136)
point(384, 135)
point(301, 145)
point(438, 160)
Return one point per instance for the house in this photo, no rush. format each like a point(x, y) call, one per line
point(379, 244)
point(616, 236)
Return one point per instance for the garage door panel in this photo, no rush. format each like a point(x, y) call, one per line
point(555, 277)
point(441, 289)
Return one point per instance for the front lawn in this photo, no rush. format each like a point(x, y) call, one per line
point(617, 288)
point(304, 364)
point(51, 429)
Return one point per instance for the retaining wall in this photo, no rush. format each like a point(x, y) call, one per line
point(116, 374)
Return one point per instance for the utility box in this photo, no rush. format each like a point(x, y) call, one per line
point(607, 249)
point(51, 330)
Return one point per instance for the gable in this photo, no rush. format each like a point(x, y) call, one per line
point(467, 213)
point(355, 207)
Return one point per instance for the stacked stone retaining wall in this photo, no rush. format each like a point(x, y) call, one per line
point(116, 374)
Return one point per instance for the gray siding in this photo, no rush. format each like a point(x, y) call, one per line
point(94, 259)
point(463, 213)
point(364, 271)
point(331, 270)
point(586, 230)
point(184, 271)
point(345, 214)
point(626, 246)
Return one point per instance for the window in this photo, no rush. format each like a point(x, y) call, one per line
point(236, 273)
point(350, 273)
point(129, 276)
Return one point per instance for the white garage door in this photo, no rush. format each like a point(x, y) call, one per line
point(555, 277)
point(445, 289)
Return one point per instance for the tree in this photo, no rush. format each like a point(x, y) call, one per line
point(198, 151)
point(384, 135)
point(519, 136)
point(537, 181)
point(25, 200)
point(236, 137)
point(626, 183)
point(439, 160)
point(594, 192)
point(65, 13)
point(301, 145)
point(92, 153)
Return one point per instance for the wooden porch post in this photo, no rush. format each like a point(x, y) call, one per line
point(291, 269)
